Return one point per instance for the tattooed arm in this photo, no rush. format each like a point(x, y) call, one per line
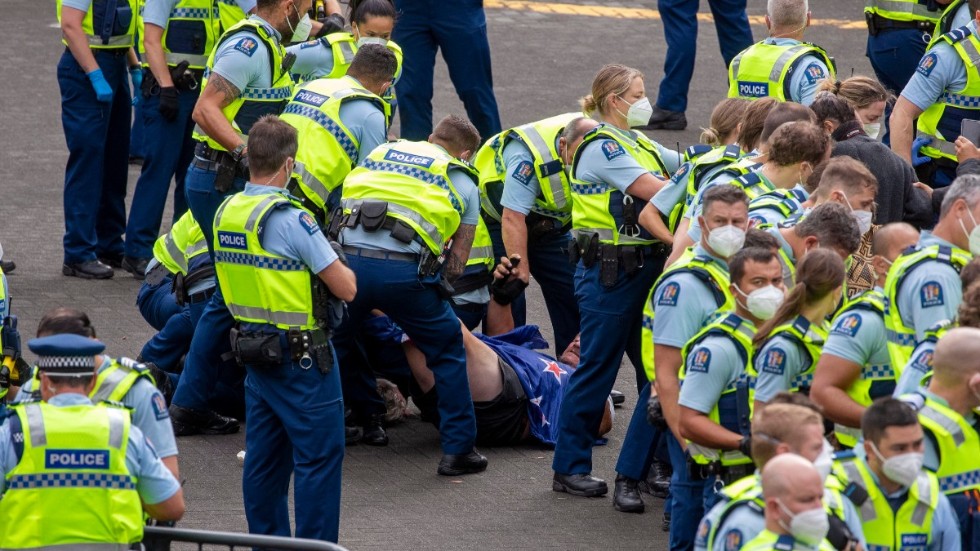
point(459, 252)
point(218, 93)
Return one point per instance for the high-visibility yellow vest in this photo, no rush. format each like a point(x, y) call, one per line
point(112, 384)
point(768, 541)
point(251, 102)
point(260, 286)
point(328, 149)
point(902, 10)
point(787, 202)
point(343, 48)
point(711, 273)
point(191, 33)
point(481, 252)
point(596, 206)
point(908, 527)
point(541, 139)
point(811, 337)
point(941, 120)
point(945, 22)
point(901, 337)
point(184, 241)
point(413, 178)
point(73, 469)
point(108, 31)
point(734, 407)
point(230, 14)
point(958, 447)
point(763, 69)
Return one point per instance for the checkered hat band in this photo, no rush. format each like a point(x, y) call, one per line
point(70, 363)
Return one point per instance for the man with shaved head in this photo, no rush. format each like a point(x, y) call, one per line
point(946, 412)
point(795, 519)
point(855, 368)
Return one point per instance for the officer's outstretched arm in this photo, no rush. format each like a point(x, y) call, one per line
point(698, 428)
point(340, 280)
point(514, 230)
point(217, 94)
point(171, 509)
point(832, 375)
point(459, 251)
point(667, 365)
point(902, 127)
point(646, 186)
point(71, 29)
point(681, 241)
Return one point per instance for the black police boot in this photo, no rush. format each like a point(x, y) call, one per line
point(135, 266)
point(584, 485)
point(665, 523)
point(659, 479)
point(92, 269)
point(374, 431)
point(111, 260)
point(618, 398)
point(626, 496)
point(352, 435)
point(662, 119)
point(467, 463)
point(7, 266)
point(187, 422)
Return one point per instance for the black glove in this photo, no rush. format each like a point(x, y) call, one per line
point(655, 413)
point(745, 446)
point(169, 106)
point(839, 535)
point(339, 249)
point(333, 23)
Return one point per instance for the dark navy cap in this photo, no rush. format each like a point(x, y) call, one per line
point(66, 354)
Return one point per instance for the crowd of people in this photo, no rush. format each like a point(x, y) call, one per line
point(798, 293)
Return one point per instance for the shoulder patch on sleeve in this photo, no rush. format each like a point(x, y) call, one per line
point(927, 64)
point(931, 294)
point(704, 529)
point(814, 72)
point(700, 360)
point(775, 361)
point(523, 172)
point(848, 325)
point(611, 149)
point(309, 44)
point(308, 223)
point(159, 406)
point(247, 46)
point(922, 361)
point(669, 294)
point(734, 540)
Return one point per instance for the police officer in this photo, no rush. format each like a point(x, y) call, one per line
point(680, 23)
point(84, 464)
point(854, 368)
point(782, 66)
point(614, 172)
point(459, 29)
point(527, 204)
point(795, 518)
point(715, 396)
point(179, 282)
point(95, 102)
point(905, 506)
point(339, 120)
point(679, 304)
point(830, 225)
point(786, 425)
point(120, 381)
point(940, 95)
point(471, 291)
point(277, 270)
point(790, 342)
point(172, 74)
point(923, 285)
point(946, 411)
point(410, 215)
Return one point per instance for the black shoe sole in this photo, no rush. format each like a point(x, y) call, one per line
point(559, 487)
point(72, 272)
point(132, 269)
point(458, 471)
point(639, 509)
point(376, 443)
point(181, 429)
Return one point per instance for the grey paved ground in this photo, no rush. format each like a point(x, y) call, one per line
point(392, 497)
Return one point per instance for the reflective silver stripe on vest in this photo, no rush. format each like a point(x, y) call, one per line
point(297, 319)
point(35, 425)
point(481, 252)
point(554, 180)
point(726, 457)
point(195, 248)
point(849, 431)
point(942, 145)
point(192, 59)
point(736, 63)
point(607, 235)
point(908, 6)
point(784, 59)
point(971, 51)
point(428, 228)
point(311, 181)
point(122, 40)
point(117, 424)
point(922, 508)
point(253, 218)
point(343, 140)
point(868, 513)
point(109, 383)
point(948, 425)
point(347, 51)
point(175, 253)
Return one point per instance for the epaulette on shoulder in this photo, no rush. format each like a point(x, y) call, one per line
point(957, 35)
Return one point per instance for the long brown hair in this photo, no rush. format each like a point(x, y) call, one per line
point(819, 273)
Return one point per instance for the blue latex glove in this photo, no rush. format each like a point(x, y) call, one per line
point(136, 75)
point(919, 160)
point(103, 92)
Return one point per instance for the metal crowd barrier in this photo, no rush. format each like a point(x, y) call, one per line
point(158, 538)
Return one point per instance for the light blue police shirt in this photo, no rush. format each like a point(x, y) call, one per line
point(154, 482)
point(464, 184)
point(962, 17)
point(778, 363)
point(931, 292)
point(149, 410)
point(244, 62)
point(605, 161)
point(293, 233)
point(314, 59)
point(858, 336)
point(674, 192)
point(939, 70)
point(788, 271)
point(918, 366)
point(712, 366)
point(683, 304)
point(521, 185)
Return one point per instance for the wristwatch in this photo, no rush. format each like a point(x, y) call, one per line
point(237, 152)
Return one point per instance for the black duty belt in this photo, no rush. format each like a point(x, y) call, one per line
point(877, 23)
point(202, 296)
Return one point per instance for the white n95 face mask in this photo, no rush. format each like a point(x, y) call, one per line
point(973, 235)
point(639, 112)
point(726, 240)
point(302, 30)
point(903, 468)
point(763, 302)
point(872, 129)
point(825, 461)
point(809, 527)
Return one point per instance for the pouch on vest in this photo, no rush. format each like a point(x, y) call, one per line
point(225, 173)
point(609, 267)
point(839, 535)
point(111, 19)
point(186, 36)
point(402, 231)
point(372, 214)
point(263, 350)
point(588, 246)
point(179, 289)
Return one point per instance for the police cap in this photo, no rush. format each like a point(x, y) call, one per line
point(66, 354)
